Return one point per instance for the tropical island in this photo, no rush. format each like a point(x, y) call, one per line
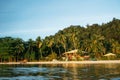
point(74, 43)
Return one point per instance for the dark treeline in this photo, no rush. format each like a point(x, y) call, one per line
point(95, 39)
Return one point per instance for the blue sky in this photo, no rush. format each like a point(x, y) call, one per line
point(32, 18)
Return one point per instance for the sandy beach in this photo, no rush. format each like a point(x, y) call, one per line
point(68, 62)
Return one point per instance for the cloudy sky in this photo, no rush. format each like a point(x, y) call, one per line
point(31, 18)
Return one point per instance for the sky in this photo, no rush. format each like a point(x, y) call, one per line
point(32, 18)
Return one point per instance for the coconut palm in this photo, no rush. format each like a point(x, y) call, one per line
point(97, 45)
point(39, 44)
point(18, 48)
point(31, 46)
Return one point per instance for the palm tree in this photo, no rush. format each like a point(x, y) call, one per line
point(58, 45)
point(63, 40)
point(30, 54)
point(50, 43)
point(97, 46)
point(18, 48)
point(39, 44)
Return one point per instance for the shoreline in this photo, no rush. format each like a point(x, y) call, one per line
point(67, 62)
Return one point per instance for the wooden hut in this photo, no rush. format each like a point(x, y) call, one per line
point(71, 55)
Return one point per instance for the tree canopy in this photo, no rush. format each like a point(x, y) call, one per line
point(95, 39)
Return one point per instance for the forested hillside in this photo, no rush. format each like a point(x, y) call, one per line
point(95, 39)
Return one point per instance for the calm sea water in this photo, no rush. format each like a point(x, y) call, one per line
point(60, 72)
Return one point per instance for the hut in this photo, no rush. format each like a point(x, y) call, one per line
point(110, 56)
point(71, 55)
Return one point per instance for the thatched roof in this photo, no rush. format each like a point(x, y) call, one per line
point(110, 54)
point(72, 51)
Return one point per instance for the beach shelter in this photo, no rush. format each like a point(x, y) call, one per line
point(71, 54)
point(110, 55)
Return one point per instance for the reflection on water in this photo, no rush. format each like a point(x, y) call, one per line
point(60, 72)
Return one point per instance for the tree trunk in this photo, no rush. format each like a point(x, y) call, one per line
point(41, 54)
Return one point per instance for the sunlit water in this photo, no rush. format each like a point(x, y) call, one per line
point(60, 72)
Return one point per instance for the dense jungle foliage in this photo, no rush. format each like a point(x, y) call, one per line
point(95, 39)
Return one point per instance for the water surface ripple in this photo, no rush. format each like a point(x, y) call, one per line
point(60, 72)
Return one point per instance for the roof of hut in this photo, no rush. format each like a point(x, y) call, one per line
point(72, 51)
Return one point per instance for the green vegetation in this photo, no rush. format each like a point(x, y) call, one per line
point(95, 39)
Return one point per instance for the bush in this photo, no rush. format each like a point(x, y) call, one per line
point(52, 56)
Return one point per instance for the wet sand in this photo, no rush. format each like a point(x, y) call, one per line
point(67, 62)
